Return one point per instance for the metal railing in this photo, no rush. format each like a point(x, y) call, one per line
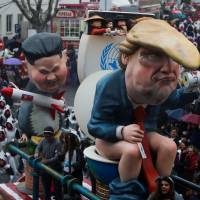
point(71, 182)
point(68, 180)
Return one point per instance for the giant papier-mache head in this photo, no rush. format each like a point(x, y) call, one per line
point(42, 45)
point(158, 34)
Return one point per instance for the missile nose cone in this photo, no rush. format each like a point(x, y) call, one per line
point(7, 91)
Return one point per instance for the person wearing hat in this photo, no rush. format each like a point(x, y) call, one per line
point(95, 25)
point(46, 66)
point(49, 150)
point(165, 190)
point(150, 58)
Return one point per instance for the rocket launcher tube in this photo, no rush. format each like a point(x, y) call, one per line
point(38, 99)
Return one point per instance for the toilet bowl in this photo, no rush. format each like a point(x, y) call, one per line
point(101, 168)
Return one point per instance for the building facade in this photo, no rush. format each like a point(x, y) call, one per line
point(10, 16)
point(69, 21)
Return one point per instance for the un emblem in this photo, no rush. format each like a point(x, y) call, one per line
point(109, 57)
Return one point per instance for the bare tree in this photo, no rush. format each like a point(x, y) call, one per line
point(34, 13)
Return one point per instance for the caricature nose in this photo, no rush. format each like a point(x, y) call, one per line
point(167, 65)
point(51, 76)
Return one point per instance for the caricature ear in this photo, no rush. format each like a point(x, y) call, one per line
point(124, 59)
point(25, 65)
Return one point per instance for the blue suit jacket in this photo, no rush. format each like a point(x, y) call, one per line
point(112, 107)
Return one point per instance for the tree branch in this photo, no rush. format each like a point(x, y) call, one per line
point(50, 8)
point(31, 8)
point(39, 4)
point(23, 8)
point(35, 15)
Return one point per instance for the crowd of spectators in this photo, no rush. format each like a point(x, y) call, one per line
point(187, 163)
point(186, 135)
point(185, 16)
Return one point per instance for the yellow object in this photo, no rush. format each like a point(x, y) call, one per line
point(94, 17)
point(158, 34)
point(37, 139)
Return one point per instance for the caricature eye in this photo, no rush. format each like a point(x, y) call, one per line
point(55, 69)
point(44, 72)
point(153, 57)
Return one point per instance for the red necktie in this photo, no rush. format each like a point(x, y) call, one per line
point(149, 170)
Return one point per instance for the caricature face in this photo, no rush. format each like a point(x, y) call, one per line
point(150, 76)
point(49, 74)
point(165, 187)
point(121, 23)
point(97, 23)
point(109, 24)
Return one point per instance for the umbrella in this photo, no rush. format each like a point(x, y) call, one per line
point(191, 118)
point(176, 113)
point(176, 14)
point(12, 61)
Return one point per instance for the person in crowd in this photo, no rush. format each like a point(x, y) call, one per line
point(113, 30)
point(150, 70)
point(4, 76)
point(7, 112)
point(2, 104)
point(165, 190)
point(95, 25)
point(194, 136)
point(8, 166)
point(7, 53)
point(73, 157)
point(179, 162)
point(11, 130)
point(174, 135)
point(14, 45)
point(49, 150)
point(3, 139)
point(72, 63)
point(190, 163)
point(46, 66)
point(2, 197)
point(195, 195)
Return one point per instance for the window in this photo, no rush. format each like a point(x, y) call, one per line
point(70, 28)
point(9, 23)
point(19, 18)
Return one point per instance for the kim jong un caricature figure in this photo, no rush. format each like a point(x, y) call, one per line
point(46, 66)
point(150, 57)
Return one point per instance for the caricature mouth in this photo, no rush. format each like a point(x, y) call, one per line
point(164, 79)
point(51, 83)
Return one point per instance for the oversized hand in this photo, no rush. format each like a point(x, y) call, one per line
point(133, 133)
